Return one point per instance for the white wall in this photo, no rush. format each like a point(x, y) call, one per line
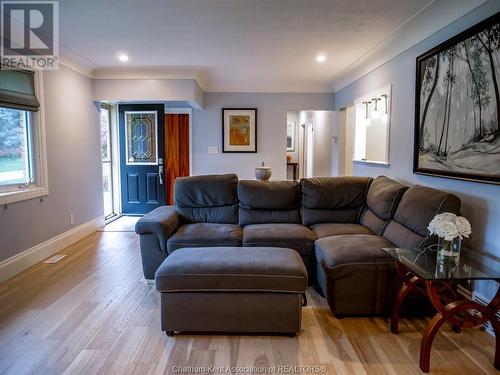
point(480, 202)
point(271, 131)
point(148, 90)
point(74, 170)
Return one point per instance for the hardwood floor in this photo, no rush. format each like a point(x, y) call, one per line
point(122, 224)
point(93, 313)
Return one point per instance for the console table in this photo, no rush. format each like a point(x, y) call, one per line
point(295, 169)
point(420, 270)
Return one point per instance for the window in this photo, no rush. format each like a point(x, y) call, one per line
point(22, 150)
point(15, 148)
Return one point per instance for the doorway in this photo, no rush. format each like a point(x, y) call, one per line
point(155, 149)
point(107, 160)
point(309, 144)
point(308, 154)
point(177, 148)
point(142, 151)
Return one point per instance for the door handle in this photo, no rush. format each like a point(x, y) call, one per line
point(160, 174)
point(160, 171)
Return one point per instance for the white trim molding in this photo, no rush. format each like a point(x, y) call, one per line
point(19, 262)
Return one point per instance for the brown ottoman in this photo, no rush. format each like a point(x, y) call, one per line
point(232, 289)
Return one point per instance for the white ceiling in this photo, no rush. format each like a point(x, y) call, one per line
point(232, 45)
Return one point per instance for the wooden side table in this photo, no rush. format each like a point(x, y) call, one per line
point(420, 271)
point(295, 168)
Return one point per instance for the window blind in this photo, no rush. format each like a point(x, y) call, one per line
point(17, 90)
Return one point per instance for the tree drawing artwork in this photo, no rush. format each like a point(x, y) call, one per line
point(458, 113)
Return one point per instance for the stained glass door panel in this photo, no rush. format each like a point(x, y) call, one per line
point(142, 146)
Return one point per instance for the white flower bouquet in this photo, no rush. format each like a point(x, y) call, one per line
point(451, 230)
point(450, 226)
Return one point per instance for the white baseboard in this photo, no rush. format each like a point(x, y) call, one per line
point(19, 262)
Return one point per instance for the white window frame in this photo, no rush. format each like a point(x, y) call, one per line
point(39, 159)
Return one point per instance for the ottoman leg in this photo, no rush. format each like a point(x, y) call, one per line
point(169, 333)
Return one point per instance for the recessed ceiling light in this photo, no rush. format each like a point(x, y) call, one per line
point(122, 57)
point(320, 58)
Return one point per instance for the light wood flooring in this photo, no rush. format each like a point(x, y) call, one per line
point(122, 224)
point(93, 313)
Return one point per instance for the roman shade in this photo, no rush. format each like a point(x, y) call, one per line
point(17, 90)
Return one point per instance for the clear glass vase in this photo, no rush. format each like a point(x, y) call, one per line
point(449, 251)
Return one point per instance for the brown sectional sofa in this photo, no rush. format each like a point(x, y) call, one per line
point(336, 224)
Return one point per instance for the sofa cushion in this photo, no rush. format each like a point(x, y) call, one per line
point(382, 201)
point(207, 199)
point(355, 275)
point(335, 229)
point(417, 208)
point(293, 236)
point(345, 250)
point(333, 199)
point(232, 269)
point(268, 202)
point(205, 234)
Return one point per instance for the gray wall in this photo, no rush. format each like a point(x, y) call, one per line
point(271, 131)
point(480, 202)
point(72, 133)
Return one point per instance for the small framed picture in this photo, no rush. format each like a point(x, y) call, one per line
point(239, 129)
point(290, 136)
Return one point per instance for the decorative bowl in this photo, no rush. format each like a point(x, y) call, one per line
point(263, 173)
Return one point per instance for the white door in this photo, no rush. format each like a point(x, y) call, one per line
point(309, 154)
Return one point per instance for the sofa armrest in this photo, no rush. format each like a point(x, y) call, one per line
point(162, 221)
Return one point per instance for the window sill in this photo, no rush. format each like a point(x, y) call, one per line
point(22, 195)
point(372, 162)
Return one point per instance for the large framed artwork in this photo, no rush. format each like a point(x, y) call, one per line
point(239, 129)
point(457, 127)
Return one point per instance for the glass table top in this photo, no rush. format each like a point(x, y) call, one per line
point(424, 263)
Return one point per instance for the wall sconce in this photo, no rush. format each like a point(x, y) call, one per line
point(385, 115)
point(367, 120)
point(376, 111)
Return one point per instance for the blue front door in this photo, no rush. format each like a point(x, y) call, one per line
point(142, 151)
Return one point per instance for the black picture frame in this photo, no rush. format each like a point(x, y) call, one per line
point(434, 159)
point(252, 148)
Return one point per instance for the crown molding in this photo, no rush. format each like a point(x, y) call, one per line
point(75, 67)
point(90, 70)
point(199, 74)
point(270, 88)
point(434, 17)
